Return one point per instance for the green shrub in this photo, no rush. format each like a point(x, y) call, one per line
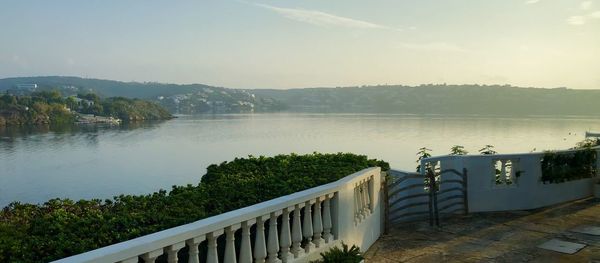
point(563, 167)
point(344, 255)
point(62, 227)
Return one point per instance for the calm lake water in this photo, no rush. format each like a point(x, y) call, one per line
point(37, 164)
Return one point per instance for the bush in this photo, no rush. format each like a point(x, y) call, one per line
point(563, 167)
point(344, 255)
point(62, 227)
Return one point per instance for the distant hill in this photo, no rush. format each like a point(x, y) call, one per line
point(501, 100)
point(105, 88)
point(442, 99)
point(184, 99)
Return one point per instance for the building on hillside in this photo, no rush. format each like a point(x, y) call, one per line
point(27, 87)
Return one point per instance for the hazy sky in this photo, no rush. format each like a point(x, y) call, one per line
point(289, 44)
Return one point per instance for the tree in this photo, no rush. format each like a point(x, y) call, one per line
point(458, 150)
point(487, 150)
point(71, 103)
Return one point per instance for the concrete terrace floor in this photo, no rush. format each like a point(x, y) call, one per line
point(493, 237)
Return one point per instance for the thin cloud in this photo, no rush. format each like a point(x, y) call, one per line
point(586, 5)
point(530, 2)
point(433, 46)
point(583, 19)
point(323, 19)
point(576, 20)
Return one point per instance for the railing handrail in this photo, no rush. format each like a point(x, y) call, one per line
point(167, 237)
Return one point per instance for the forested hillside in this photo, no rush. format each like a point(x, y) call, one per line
point(501, 100)
point(442, 99)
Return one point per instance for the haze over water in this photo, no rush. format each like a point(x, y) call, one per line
point(100, 162)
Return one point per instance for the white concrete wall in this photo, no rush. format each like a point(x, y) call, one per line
point(527, 191)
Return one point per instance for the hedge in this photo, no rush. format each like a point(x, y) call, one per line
point(62, 227)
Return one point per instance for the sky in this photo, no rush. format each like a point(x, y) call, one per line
point(295, 44)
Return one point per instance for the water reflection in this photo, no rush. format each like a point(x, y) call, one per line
point(38, 163)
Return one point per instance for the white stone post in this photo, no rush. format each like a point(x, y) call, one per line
point(130, 260)
point(273, 242)
point(503, 171)
point(296, 233)
point(212, 256)
point(229, 245)
point(151, 256)
point(327, 219)
point(285, 240)
point(193, 249)
point(172, 251)
point(357, 213)
point(260, 250)
point(318, 224)
point(307, 227)
point(245, 248)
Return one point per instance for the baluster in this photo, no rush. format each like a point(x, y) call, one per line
point(318, 224)
point(246, 249)
point(172, 252)
point(357, 216)
point(363, 200)
point(229, 245)
point(503, 171)
point(434, 176)
point(327, 219)
point(285, 240)
point(130, 260)
point(151, 256)
point(211, 254)
point(296, 233)
point(307, 227)
point(513, 171)
point(273, 242)
point(193, 249)
point(368, 195)
point(260, 251)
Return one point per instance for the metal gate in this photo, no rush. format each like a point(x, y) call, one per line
point(412, 196)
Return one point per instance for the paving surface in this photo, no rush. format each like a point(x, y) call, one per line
point(494, 237)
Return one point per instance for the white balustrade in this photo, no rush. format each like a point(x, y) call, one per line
point(311, 222)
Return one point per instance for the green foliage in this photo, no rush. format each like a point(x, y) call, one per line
point(344, 255)
point(587, 143)
point(487, 150)
point(47, 107)
point(133, 109)
point(423, 153)
point(458, 150)
point(563, 167)
point(62, 227)
point(265, 178)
